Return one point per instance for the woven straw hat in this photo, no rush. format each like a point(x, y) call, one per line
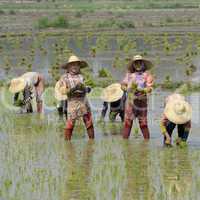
point(73, 59)
point(60, 91)
point(148, 64)
point(178, 111)
point(17, 85)
point(112, 93)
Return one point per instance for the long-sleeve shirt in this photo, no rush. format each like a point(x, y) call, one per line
point(34, 87)
point(35, 80)
point(78, 104)
point(143, 80)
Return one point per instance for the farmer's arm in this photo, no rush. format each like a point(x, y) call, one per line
point(39, 89)
point(163, 128)
point(149, 83)
point(124, 83)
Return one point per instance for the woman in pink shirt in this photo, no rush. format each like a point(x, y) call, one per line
point(138, 83)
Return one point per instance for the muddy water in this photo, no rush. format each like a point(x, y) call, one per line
point(36, 162)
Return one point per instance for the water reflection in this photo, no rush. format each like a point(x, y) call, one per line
point(79, 164)
point(176, 173)
point(136, 157)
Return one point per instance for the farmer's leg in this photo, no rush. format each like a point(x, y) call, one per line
point(39, 91)
point(169, 127)
point(141, 107)
point(60, 109)
point(65, 108)
point(128, 120)
point(121, 114)
point(39, 102)
point(69, 129)
point(144, 126)
point(87, 118)
point(183, 131)
point(29, 108)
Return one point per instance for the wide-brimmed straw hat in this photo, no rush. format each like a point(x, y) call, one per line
point(174, 96)
point(73, 59)
point(148, 64)
point(17, 85)
point(60, 91)
point(112, 93)
point(178, 111)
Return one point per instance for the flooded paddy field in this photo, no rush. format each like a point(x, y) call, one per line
point(36, 162)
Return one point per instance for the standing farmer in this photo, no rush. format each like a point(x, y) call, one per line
point(30, 84)
point(177, 112)
point(72, 84)
point(138, 83)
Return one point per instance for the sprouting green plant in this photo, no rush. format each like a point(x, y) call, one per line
point(103, 72)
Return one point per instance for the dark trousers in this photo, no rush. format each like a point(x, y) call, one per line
point(113, 115)
point(183, 129)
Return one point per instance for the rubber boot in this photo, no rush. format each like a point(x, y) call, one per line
point(68, 134)
point(127, 129)
point(145, 132)
point(90, 132)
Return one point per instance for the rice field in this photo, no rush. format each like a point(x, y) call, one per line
point(36, 163)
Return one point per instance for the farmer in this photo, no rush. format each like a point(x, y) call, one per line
point(62, 105)
point(177, 112)
point(116, 97)
point(138, 83)
point(31, 84)
point(72, 84)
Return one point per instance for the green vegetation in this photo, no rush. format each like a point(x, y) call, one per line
point(59, 22)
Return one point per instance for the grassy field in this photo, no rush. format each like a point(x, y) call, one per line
point(97, 15)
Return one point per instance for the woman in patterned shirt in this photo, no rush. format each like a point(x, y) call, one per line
point(78, 105)
point(138, 83)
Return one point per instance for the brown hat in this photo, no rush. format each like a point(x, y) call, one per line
point(73, 59)
point(148, 64)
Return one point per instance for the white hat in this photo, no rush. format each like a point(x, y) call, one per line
point(148, 64)
point(17, 85)
point(112, 93)
point(178, 111)
point(73, 59)
point(60, 91)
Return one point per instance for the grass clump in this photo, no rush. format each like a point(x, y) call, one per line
point(58, 22)
point(102, 73)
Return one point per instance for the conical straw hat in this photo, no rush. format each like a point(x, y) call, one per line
point(112, 93)
point(175, 96)
point(17, 85)
point(60, 91)
point(73, 59)
point(178, 111)
point(148, 64)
